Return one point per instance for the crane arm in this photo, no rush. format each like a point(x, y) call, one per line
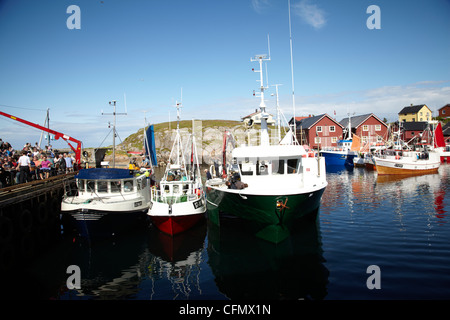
point(57, 135)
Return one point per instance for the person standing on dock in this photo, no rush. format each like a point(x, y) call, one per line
point(24, 167)
point(69, 162)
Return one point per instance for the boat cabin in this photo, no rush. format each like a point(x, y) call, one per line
point(109, 181)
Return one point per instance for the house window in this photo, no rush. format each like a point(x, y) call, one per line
point(365, 127)
point(365, 139)
point(317, 139)
point(443, 111)
point(378, 127)
point(318, 129)
point(332, 129)
point(333, 139)
point(421, 113)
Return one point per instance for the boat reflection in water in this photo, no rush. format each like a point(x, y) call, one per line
point(110, 269)
point(175, 262)
point(247, 267)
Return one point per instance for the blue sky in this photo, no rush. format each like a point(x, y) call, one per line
point(149, 49)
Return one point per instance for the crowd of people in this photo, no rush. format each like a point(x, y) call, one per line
point(31, 163)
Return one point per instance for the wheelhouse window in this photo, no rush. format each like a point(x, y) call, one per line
point(81, 184)
point(90, 186)
point(115, 186)
point(102, 186)
point(278, 166)
point(292, 165)
point(246, 167)
point(128, 186)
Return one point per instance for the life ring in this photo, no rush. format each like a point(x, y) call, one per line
point(6, 230)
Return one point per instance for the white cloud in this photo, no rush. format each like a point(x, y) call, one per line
point(310, 13)
point(259, 5)
point(384, 102)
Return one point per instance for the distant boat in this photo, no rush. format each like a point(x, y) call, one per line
point(107, 201)
point(268, 185)
point(178, 203)
point(405, 160)
point(345, 151)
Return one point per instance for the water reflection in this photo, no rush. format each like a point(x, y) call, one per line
point(360, 190)
point(110, 269)
point(175, 263)
point(246, 267)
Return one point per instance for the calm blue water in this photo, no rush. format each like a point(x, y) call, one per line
point(402, 226)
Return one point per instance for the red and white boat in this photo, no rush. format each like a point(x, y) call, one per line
point(178, 202)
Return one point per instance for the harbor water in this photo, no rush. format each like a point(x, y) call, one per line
point(373, 238)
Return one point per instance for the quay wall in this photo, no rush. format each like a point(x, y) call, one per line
point(30, 220)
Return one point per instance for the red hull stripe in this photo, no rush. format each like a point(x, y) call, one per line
point(176, 224)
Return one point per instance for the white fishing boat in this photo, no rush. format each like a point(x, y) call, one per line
point(178, 202)
point(268, 185)
point(404, 159)
point(107, 201)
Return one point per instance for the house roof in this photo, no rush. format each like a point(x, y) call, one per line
point(447, 105)
point(414, 126)
point(308, 122)
point(446, 129)
point(356, 121)
point(412, 109)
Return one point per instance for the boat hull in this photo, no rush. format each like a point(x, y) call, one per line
point(271, 216)
point(99, 224)
point(396, 167)
point(173, 225)
point(338, 158)
point(177, 217)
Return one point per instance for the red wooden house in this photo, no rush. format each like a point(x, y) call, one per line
point(444, 112)
point(368, 127)
point(318, 131)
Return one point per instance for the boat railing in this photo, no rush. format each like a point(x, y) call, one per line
point(168, 197)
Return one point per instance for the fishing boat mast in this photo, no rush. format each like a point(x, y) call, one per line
point(264, 141)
